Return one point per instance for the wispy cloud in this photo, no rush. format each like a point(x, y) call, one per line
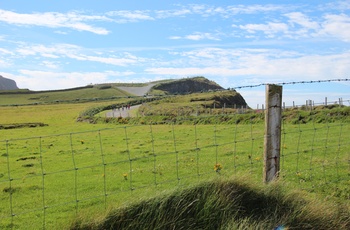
point(52, 51)
point(50, 64)
point(196, 36)
point(337, 26)
point(302, 20)
point(71, 20)
point(270, 29)
point(77, 53)
point(206, 10)
point(61, 80)
point(106, 60)
point(124, 16)
point(299, 25)
point(6, 51)
point(276, 65)
point(172, 13)
point(256, 8)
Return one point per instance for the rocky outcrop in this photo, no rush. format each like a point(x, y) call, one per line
point(7, 84)
point(188, 85)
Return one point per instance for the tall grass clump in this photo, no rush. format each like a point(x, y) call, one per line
point(224, 204)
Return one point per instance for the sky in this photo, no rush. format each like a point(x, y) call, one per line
point(46, 45)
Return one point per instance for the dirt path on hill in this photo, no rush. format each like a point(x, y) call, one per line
point(130, 112)
point(138, 91)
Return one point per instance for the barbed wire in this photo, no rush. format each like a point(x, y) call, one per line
point(292, 83)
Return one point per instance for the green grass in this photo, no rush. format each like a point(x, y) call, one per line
point(194, 104)
point(69, 167)
point(69, 173)
point(222, 204)
point(93, 93)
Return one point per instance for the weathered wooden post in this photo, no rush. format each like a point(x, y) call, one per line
point(272, 140)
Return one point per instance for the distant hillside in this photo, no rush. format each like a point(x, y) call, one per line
point(187, 85)
point(7, 84)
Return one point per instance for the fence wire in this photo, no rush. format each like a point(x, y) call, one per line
point(46, 179)
point(294, 82)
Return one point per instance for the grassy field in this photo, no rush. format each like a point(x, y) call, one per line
point(50, 174)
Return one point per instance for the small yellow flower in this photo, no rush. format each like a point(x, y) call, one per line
point(125, 175)
point(217, 167)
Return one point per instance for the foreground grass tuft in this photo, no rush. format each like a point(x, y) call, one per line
point(224, 205)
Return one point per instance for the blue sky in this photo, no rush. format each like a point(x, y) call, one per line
point(64, 44)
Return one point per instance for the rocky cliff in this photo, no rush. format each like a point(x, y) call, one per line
point(7, 84)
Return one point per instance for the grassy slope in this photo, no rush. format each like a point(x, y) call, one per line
point(223, 204)
point(73, 95)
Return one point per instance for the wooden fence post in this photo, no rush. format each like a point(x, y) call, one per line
point(272, 140)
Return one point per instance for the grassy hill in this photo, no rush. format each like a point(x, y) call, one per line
point(74, 95)
point(104, 92)
point(222, 204)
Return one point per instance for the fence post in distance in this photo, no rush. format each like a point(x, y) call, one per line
point(272, 139)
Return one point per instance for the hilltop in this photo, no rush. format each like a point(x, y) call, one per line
point(186, 86)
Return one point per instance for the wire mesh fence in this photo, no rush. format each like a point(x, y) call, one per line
point(46, 179)
point(316, 155)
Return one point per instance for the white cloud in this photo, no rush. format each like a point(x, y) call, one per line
point(200, 36)
point(175, 37)
point(50, 64)
point(70, 20)
point(106, 60)
point(302, 20)
point(269, 28)
point(191, 71)
point(130, 16)
point(253, 9)
point(60, 32)
point(205, 10)
point(53, 51)
point(268, 65)
point(46, 80)
point(172, 13)
point(300, 25)
point(336, 5)
point(337, 26)
point(196, 36)
point(6, 51)
point(77, 53)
